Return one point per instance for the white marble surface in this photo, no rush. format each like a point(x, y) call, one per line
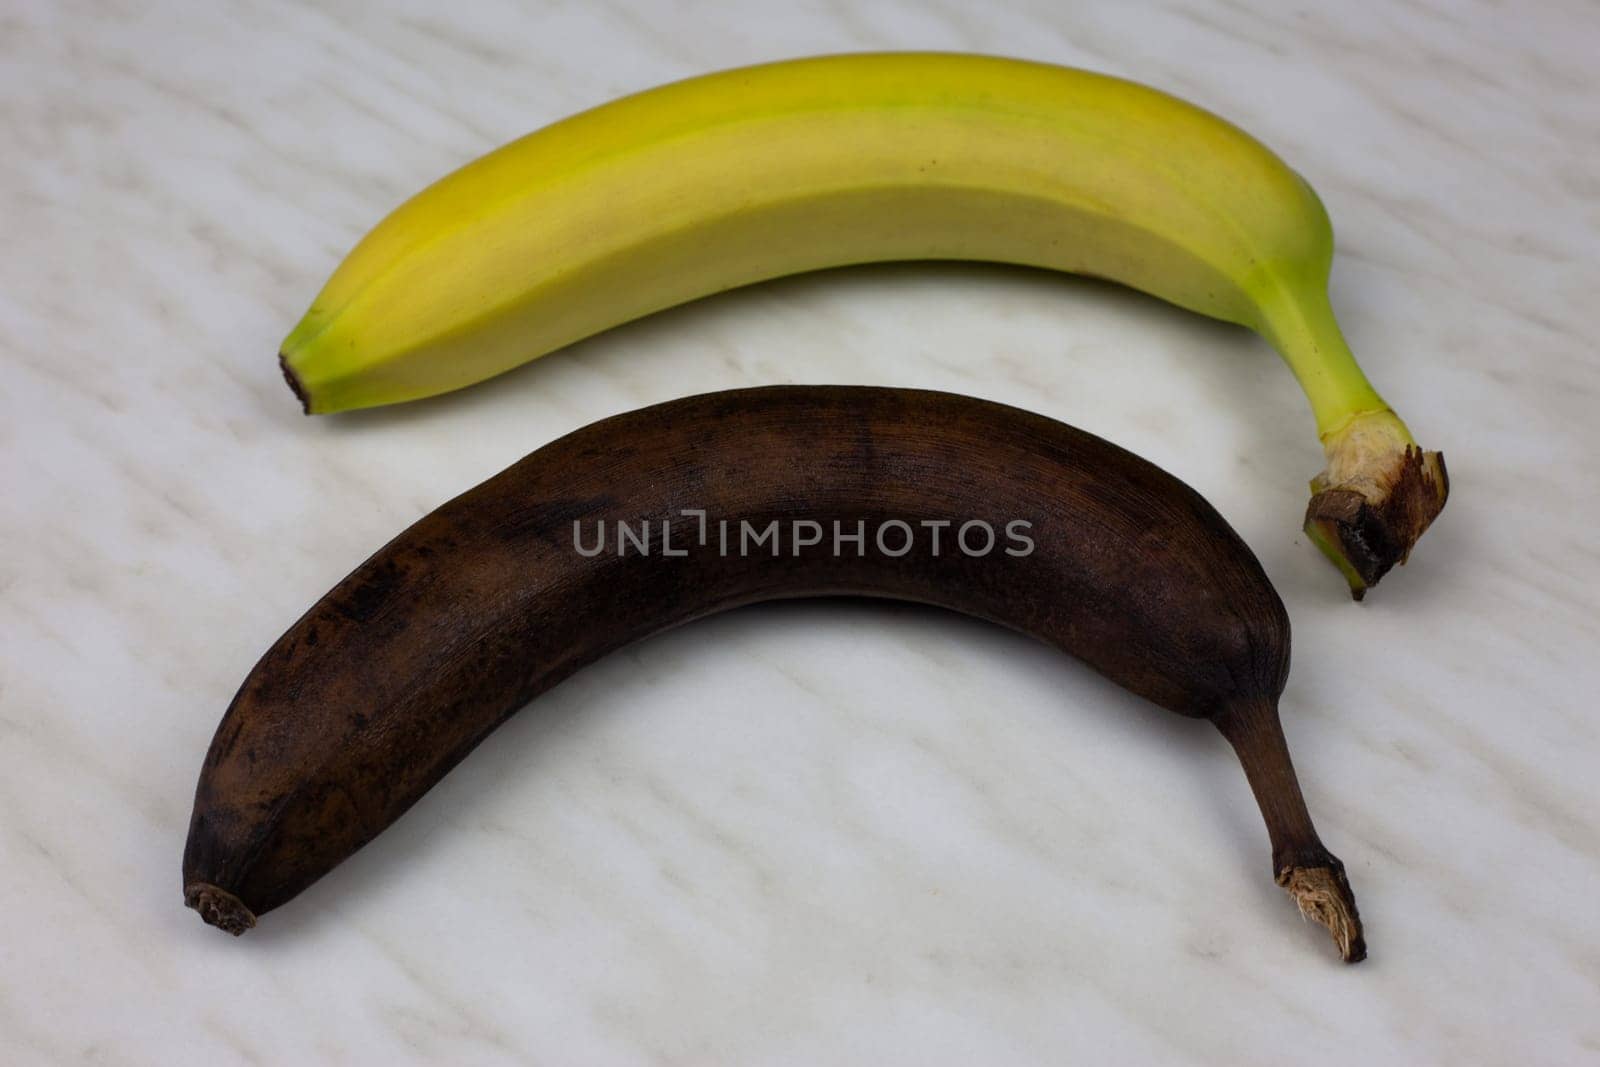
point(806, 834)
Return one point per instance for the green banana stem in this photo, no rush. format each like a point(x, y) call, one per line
point(1379, 491)
point(1301, 325)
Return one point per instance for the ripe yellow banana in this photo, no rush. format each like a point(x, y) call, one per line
point(750, 174)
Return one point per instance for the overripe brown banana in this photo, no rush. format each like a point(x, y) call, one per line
point(659, 516)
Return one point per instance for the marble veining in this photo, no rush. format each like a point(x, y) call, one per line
point(804, 833)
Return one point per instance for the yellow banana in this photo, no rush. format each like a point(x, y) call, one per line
point(731, 178)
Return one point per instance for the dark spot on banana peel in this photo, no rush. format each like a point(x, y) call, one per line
point(483, 604)
point(364, 599)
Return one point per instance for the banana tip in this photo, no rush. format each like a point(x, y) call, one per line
point(294, 383)
point(1323, 895)
point(219, 908)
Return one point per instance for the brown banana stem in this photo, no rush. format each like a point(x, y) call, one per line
point(1313, 876)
